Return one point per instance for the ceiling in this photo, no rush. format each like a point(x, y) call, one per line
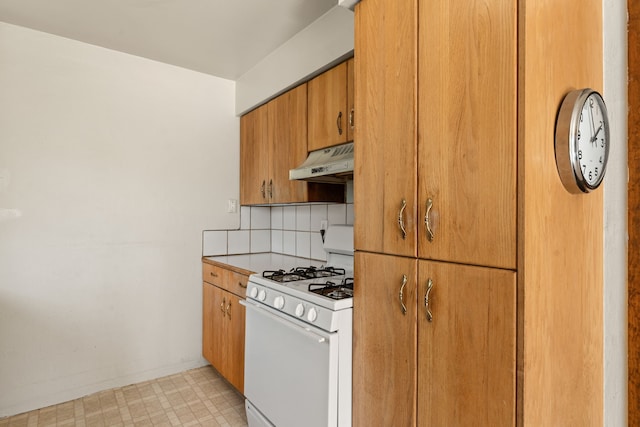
point(224, 38)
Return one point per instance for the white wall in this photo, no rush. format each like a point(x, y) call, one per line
point(615, 216)
point(323, 43)
point(110, 168)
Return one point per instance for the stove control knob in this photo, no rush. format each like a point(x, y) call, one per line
point(312, 315)
point(278, 302)
point(299, 310)
point(253, 292)
point(262, 295)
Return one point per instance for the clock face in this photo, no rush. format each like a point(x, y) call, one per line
point(592, 141)
point(582, 140)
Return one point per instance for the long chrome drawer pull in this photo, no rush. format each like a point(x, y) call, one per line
point(339, 123)
point(262, 189)
point(401, 295)
point(427, 220)
point(229, 309)
point(222, 305)
point(401, 218)
point(426, 300)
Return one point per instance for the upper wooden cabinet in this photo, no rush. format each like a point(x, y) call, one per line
point(331, 107)
point(273, 140)
point(436, 151)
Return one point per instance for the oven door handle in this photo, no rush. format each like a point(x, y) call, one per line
point(302, 330)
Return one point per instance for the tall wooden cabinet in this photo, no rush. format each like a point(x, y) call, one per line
point(435, 212)
point(273, 140)
point(331, 109)
point(462, 221)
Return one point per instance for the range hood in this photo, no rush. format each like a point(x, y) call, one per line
point(331, 165)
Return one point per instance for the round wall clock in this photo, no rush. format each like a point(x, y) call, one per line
point(582, 140)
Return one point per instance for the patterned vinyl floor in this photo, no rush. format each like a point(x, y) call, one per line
point(199, 397)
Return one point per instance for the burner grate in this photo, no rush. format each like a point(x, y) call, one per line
point(332, 290)
point(302, 273)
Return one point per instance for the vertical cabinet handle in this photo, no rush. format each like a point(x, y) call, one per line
point(262, 189)
point(401, 294)
point(271, 188)
point(426, 300)
point(339, 123)
point(229, 310)
point(428, 225)
point(351, 117)
point(224, 301)
point(401, 219)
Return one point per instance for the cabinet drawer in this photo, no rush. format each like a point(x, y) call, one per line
point(214, 275)
point(237, 283)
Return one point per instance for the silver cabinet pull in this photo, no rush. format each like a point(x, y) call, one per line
point(401, 294)
point(401, 218)
point(224, 300)
point(271, 188)
point(242, 285)
point(427, 220)
point(339, 123)
point(351, 117)
point(229, 310)
point(426, 300)
point(262, 189)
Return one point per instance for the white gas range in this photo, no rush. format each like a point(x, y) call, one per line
point(298, 341)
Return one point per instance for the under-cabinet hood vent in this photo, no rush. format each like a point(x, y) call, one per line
point(332, 165)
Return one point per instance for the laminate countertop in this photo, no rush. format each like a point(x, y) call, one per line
point(257, 263)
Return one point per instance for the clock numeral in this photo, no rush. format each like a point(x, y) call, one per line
point(581, 118)
point(602, 143)
point(579, 134)
point(595, 171)
point(590, 175)
point(600, 160)
point(579, 154)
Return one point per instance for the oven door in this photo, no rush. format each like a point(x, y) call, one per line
point(291, 369)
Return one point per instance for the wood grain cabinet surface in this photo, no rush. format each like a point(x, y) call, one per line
point(435, 207)
point(273, 140)
point(223, 323)
point(455, 185)
point(331, 107)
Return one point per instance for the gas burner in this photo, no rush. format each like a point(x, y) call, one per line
point(333, 290)
point(302, 273)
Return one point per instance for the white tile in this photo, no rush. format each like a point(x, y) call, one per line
point(276, 241)
point(303, 244)
point(349, 191)
point(337, 214)
point(238, 242)
point(289, 218)
point(260, 241)
point(245, 217)
point(214, 243)
point(318, 213)
point(289, 242)
point(350, 213)
point(303, 218)
point(260, 217)
point(317, 250)
point(276, 218)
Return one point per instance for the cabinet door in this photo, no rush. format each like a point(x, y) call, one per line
point(214, 325)
point(288, 144)
point(254, 157)
point(385, 147)
point(466, 354)
point(234, 369)
point(350, 100)
point(384, 341)
point(328, 114)
point(467, 133)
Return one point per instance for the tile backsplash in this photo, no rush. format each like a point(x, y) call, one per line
point(288, 229)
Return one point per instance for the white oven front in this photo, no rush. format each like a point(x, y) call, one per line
point(291, 370)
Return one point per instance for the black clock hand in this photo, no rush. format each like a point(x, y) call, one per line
point(595, 136)
point(593, 127)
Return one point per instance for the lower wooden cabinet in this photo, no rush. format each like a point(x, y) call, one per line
point(223, 324)
point(449, 359)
